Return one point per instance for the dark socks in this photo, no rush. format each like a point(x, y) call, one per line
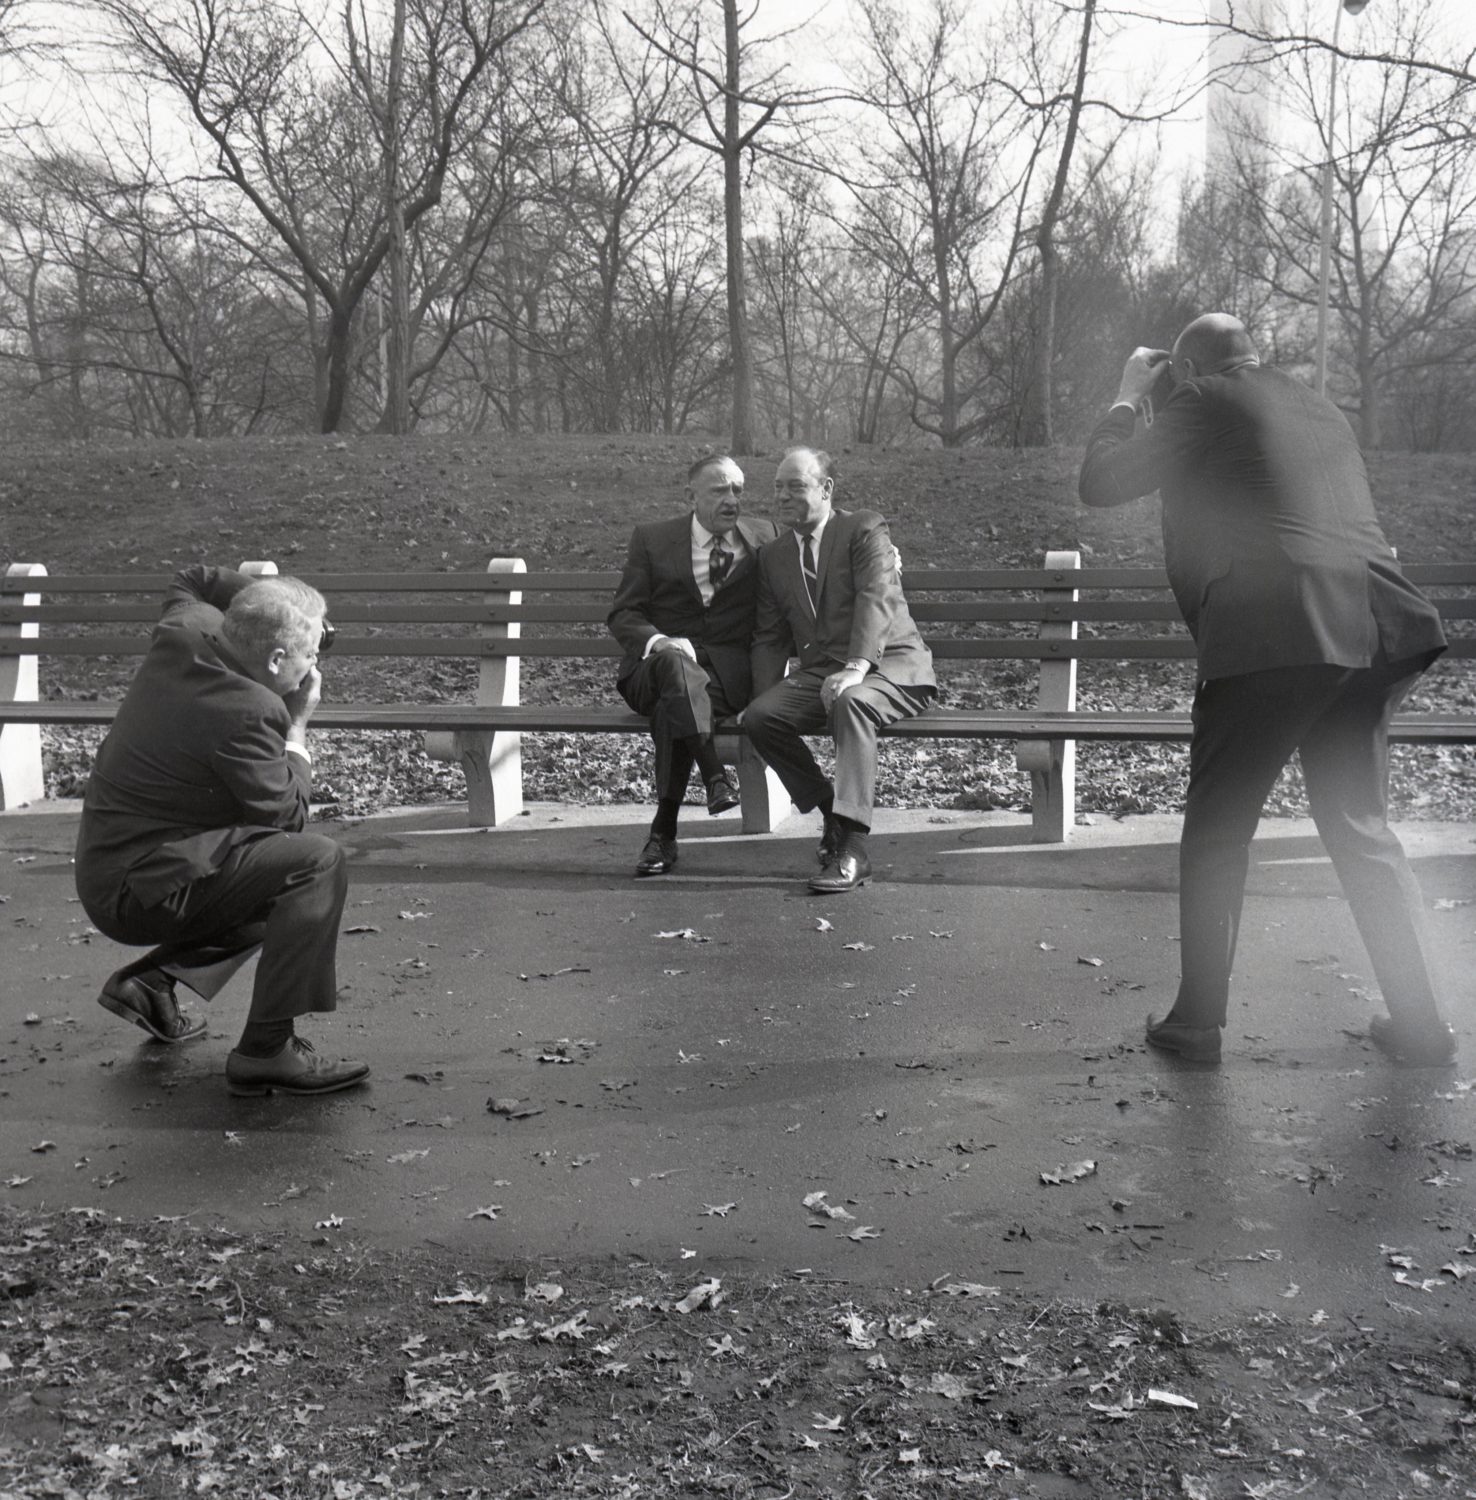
point(664, 824)
point(704, 753)
point(264, 1038)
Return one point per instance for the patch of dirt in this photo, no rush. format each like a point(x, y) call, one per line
point(428, 503)
point(166, 1358)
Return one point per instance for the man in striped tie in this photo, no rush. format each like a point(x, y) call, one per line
point(829, 592)
point(684, 614)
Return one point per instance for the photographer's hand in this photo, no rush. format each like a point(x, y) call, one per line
point(1142, 369)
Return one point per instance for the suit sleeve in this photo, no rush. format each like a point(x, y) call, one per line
point(773, 641)
point(629, 620)
point(1121, 465)
point(198, 584)
point(272, 787)
point(878, 593)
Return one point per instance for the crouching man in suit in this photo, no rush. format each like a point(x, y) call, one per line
point(830, 593)
point(192, 827)
point(684, 615)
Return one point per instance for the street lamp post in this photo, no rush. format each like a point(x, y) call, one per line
point(1353, 7)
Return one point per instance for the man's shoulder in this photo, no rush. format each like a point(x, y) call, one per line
point(667, 528)
point(758, 529)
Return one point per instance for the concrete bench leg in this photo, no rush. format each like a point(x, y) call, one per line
point(765, 802)
point(492, 761)
point(21, 780)
point(1052, 763)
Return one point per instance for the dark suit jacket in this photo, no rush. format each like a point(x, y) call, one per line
point(196, 760)
point(1272, 546)
point(859, 608)
point(658, 595)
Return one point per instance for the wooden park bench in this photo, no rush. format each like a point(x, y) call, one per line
point(992, 615)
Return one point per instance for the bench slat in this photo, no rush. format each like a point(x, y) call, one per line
point(954, 723)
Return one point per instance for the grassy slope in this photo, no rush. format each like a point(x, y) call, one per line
point(370, 503)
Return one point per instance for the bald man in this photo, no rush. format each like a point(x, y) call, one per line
point(1308, 638)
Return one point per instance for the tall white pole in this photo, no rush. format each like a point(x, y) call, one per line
point(1324, 264)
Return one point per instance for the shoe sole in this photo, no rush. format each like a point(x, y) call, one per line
point(660, 870)
point(257, 1090)
point(714, 809)
point(127, 1013)
point(1183, 1054)
point(817, 889)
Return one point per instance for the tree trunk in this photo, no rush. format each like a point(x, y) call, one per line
point(396, 415)
point(733, 216)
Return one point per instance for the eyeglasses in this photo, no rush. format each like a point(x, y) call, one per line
point(326, 639)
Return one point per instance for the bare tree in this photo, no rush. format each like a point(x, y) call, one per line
point(288, 125)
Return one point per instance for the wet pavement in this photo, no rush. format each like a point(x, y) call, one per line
point(952, 1056)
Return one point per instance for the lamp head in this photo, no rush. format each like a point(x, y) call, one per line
point(1355, 7)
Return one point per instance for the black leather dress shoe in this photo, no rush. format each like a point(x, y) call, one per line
point(721, 795)
point(829, 845)
point(147, 999)
point(1199, 1044)
point(1410, 1049)
point(657, 857)
point(850, 867)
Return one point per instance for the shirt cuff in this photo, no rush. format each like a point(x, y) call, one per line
point(858, 664)
point(652, 644)
point(293, 748)
point(1126, 405)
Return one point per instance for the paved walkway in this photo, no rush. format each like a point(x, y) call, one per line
point(690, 1058)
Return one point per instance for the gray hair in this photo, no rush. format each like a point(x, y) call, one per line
point(274, 612)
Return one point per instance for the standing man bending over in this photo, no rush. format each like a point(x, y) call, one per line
point(684, 614)
point(192, 827)
point(829, 592)
point(1308, 638)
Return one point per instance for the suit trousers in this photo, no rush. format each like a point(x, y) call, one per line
point(776, 720)
point(282, 893)
point(1246, 729)
point(683, 699)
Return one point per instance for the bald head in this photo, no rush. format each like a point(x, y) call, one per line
point(1213, 344)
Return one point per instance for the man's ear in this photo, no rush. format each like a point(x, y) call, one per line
point(275, 659)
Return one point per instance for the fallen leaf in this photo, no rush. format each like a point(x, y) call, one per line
point(1074, 1173)
point(1095, 963)
point(705, 1292)
point(860, 947)
point(685, 934)
point(514, 1109)
point(865, 1232)
point(822, 1423)
point(361, 927)
point(401, 1157)
point(816, 1203)
point(462, 1294)
point(717, 1210)
point(821, 925)
point(490, 1212)
point(1169, 1398)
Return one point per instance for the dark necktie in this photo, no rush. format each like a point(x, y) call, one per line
point(719, 561)
point(807, 566)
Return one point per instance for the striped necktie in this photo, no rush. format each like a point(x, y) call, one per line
point(807, 567)
point(719, 560)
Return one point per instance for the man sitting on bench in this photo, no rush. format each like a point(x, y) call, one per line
point(684, 614)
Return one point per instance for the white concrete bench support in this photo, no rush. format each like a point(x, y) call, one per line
point(1052, 763)
point(491, 760)
point(21, 780)
point(765, 802)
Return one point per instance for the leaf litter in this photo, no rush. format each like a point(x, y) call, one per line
point(159, 1358)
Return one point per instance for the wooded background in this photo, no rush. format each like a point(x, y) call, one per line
point(933, 222)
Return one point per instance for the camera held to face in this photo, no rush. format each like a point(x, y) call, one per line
point(1159, 392)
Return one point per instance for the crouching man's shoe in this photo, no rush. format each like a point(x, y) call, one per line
point(1199, 1044)
point(296, 1069)
point(850, 867)
point(829, 845)
point(146, 998)
point(1412, 1049)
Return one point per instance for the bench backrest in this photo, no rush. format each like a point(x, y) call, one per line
point(978, 614)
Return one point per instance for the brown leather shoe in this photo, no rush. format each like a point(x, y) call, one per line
point(146, 998)
point(296, 1069)
point(1199, 1044)
point(659, 856)
point(1410, 1049)
point(851, 867)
